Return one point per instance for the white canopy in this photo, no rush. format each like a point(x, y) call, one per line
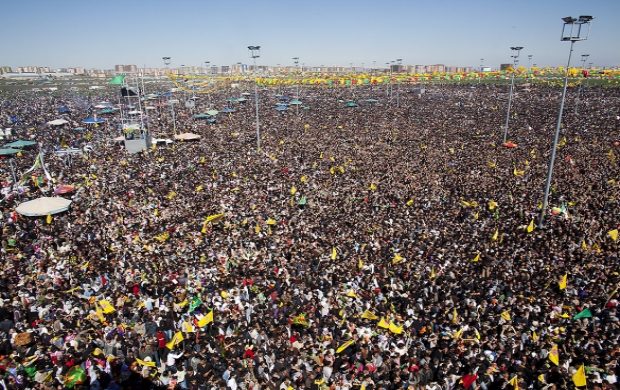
point(187, 136)
point(57, 122)
point(43, 206)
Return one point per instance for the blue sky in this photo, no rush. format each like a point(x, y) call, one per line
point(100, 34)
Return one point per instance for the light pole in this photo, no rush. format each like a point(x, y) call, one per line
point(584, 58)
point(400, 62)
point(254, 52)
point(174, 122)
point(207, 66)
point(296, 61)
point(529, 60)
point(480, 76)
point(571, 31)
point(512, 85)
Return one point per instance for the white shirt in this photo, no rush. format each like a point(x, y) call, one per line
point(172, 358)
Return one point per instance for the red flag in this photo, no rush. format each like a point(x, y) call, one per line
point(468, 380)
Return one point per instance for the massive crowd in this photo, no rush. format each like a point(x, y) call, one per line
point(385, 246)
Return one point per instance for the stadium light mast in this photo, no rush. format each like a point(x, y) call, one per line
point(254, 52)
point(512, 86)
point(584, 58)
point(574, 29)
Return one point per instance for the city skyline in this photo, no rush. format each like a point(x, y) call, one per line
point(362, 33)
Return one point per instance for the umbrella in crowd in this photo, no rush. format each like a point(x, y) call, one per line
point(43, 206)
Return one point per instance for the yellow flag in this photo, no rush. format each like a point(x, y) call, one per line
point(397, 259)
point(534, 336)
point(369, 315)
point(518, 173)
point(142, 362)
point(257, 229)
point(432, 272)
point(395, 329)
point(476, 216)
point(495, 235)
point(271, 221)
point(344, 346)
point(351, 294)
point(334, 253)
point(579, 378)
point(613, 234)
point(584, 246)
point(562, 283)
point(611, 156)
point(293, 190)
point(530, 227)
point(541, 378)
point(372, 187)
point(455, 316)
point(304, 179)
point(177, 338)
point(505, 315)
point(199, 188)
point(49, 219)
point(383, 324)
point(477, 258)
point(492, 205)
point(204, 321)
point(491, 164)
point(514, 382)
point(458, 334)
point(554, 356)
point(409, 202)
point(360, 264)
point(106, 307)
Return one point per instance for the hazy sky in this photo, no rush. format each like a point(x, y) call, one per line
point(100, 34)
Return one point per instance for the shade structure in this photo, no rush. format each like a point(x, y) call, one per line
point(305, 108)
point(187, 136)
point(62, 109)
point(57, 122)
point(64, 189)
point(241, 100)
point(201, 116)
point(79, 129)
point(118, 139)
point(295, 102)
point(282, 108)
point(7, 152)
point(20, 144)
point(107, 111)
point(93, 120)
point(213, 112)
point(232, 99)
point(282, 97)
point(351, 104)
point(371, 100)
point(43, 206)
point(211, 120)
point(228, 109)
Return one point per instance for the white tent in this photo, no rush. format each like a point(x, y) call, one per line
point(43, 206)
point(57, 122)
point(187, 136)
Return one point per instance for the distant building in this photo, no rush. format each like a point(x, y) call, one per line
point(435, 68)
point(505, 66)
point(5, 69)
point(125, 68)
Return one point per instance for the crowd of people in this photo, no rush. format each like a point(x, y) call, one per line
point(392, 245)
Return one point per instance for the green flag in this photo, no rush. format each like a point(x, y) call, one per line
point(194, 304)
point(117, 80)
point(586, 313)
point(75, 376)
